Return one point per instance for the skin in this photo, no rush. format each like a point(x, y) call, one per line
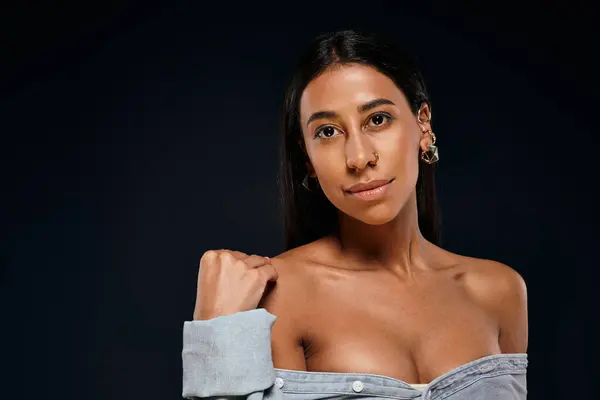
point(380, 298)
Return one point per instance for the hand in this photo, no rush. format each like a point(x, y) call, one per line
point(230, 282)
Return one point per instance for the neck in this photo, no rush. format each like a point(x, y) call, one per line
point(397, 245)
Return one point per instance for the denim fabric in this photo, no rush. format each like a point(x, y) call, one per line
point(229, 357)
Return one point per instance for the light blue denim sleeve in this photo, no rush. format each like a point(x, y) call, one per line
point(229, 357)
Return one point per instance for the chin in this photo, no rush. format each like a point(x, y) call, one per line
point(379, 214)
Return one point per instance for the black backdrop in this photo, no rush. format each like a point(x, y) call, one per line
point(134, 138)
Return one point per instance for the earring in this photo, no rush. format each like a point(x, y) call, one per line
point(305, 183)
point(430, 156)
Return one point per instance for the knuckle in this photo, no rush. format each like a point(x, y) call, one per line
point(225, 256)
point(208, 256)
point(239, 254)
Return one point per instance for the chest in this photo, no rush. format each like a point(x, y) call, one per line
point(410, 331)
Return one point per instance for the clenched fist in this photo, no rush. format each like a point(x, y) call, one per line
point(230, 282)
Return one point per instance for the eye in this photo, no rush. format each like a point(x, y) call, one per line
point(380, 119)
point(325, 132)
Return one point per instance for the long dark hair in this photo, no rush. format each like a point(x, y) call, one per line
point(309, 215)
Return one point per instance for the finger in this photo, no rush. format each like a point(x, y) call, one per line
point(208, 257)
point(268, 272)
point(255, 261)
point(238, 254)
point(248, 256)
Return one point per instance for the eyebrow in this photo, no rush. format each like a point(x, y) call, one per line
point(362, 108)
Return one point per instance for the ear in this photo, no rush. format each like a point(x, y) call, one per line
point(424, 122)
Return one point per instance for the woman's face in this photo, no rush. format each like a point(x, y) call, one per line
point(348, 113)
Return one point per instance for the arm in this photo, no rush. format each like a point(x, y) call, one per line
point(513, 313)
point(234, 355)
point(229, 356)
point(502, 291)
point(287, 299)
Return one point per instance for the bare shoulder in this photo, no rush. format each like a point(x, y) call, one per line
point(502, 291)
point(288, 299)
point(287, 296)
point(493, 283)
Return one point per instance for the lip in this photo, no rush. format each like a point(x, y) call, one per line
point(363, 186)
point(371, 190)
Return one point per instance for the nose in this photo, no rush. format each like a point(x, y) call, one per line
point(359, 151)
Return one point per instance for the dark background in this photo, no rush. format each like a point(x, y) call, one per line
point(136, 137)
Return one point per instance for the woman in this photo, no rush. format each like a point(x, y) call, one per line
point(363, 303)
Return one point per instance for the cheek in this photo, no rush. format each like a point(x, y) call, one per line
point(326, 164)
point(406, 170)
point(330, 167)
point(330, 170)
point(409, 162)
point(401, 151)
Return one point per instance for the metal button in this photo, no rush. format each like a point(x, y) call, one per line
point(279, 382)
point(358, 386)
